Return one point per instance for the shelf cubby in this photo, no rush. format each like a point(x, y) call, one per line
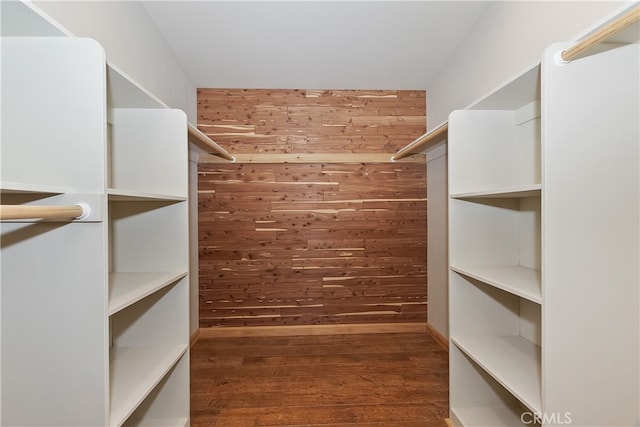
point(513, 361)
point(480, 400)
point(143, 136)
point(496, 232)
point(167, 405)
point(148, 339)
point(501, 333)
point(498, 141)
point(148, 236)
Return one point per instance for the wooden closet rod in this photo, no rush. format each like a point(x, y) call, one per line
point(205, 143)
point(603, 33)
point(425, 139)
point(43, 212)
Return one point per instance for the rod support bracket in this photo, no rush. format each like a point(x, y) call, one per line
point(86, 211)
point(559, 60)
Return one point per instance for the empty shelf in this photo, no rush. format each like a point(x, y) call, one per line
point(512, 361)
point(134, 372)
point(128, 288)
point(522, 281)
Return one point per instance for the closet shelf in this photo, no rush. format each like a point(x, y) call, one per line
point(521, 281)
point(135, 371)
point(8, 187)
point(181, 422)
point(532, 190)
point(128, 288)
point(513, 361)
point(488, 415)
point(118, 195)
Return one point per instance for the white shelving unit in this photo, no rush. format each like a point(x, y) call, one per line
point(544, 225)
point(495, 250)
point(94, 312)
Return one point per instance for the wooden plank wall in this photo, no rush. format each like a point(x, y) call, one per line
point(311, 121)
point(312, 243)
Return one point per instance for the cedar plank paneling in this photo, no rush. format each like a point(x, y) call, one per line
point(305, 262)
point(317, 243)
point(311, 121)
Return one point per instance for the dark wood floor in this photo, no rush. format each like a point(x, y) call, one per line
point(395, 380)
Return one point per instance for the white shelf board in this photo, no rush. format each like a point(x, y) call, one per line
point(8, 187)
point(24, 19)
point(124, 92)
point(521, 281)
point(134, 372)
point(512, 361)
point(118, 195)
point(514, 94)
point(128, 288)
point(532, 190)
point(488, 416)
point(174, 422)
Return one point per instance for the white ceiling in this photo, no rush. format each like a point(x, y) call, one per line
point(313, 44)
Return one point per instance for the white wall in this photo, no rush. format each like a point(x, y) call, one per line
point(508, 38)
point(132, 43)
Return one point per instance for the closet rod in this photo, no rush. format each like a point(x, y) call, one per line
point(204, 142)
point(603, 33)
point(412, 147)
point(43, 212)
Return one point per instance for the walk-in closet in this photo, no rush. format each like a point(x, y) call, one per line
point(311, 213)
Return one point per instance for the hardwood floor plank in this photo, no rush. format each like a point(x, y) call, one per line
point(357, 380)
point(349, 415)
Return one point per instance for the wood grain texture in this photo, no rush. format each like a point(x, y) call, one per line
point(422, 143)
point(8, 212)
point(308, 330)
point(438, 337)
point(313, 158)
point(398, 380)
point(629, 18)
point(320, 242)
point(262, 121)
point(309, 244)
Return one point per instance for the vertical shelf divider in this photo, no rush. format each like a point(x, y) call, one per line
point(495, 243)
